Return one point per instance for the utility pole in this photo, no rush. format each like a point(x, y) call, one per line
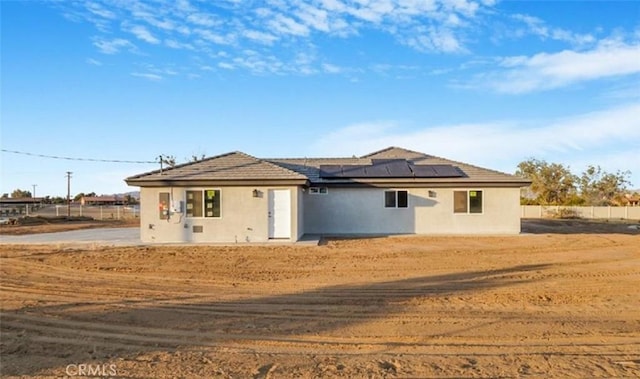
point(34, 190)
point(69, 193)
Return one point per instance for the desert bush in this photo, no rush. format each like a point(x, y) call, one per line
point(563, 213)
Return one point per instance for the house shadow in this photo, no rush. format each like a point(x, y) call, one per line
point(124, 329)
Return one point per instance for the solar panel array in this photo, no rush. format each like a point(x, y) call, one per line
point(389, 168)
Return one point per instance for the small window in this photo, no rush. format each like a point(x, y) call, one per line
point(467, 202)
point(163, 205)
point(396, 199)
point(318, 190)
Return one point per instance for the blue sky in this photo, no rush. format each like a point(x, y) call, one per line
point(486, 82)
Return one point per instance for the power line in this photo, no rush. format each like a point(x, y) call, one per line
point(74, 159)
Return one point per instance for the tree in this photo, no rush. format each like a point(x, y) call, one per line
point(82, 194)
point(196, 158)
point(599, 187)
point(5, 195)
point(58, 200)
point(169, 160)
point(18, 193)
point(551, 183)
point(130, 199)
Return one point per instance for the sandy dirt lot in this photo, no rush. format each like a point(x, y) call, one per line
point(540, 305)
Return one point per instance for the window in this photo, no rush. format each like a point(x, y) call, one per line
point(318, 190)
point(475, 201)
point(467, 201)
point(163, 205)
point(203, 203)
point(396, 199)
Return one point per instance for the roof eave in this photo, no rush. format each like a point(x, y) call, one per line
point(412, 183)
point(216, 182)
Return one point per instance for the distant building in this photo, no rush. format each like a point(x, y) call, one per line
point(21, 205)
point(102, 200)
point(632, 200)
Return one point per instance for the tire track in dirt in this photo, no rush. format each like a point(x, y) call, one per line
point(445, 300)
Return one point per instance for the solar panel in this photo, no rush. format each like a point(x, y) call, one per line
point(399, 169)
point(447, 171)
point(424, 171)
point(389, 168)
point(379, 171)
point(353, 171)
point(330, 171)
point(436, 171)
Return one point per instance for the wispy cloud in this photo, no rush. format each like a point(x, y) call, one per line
point(99, 10)
point(521, 74)
point(435, 39)
point(203, 19)
point(144, 34)
point(539, 28)
point(113, 46)
point(285, 25)
point(428, 26)
point(331, 68)
point(94, 62)
point(502, 144)
point(276, 28)
point(147, 75)
point(262, 37)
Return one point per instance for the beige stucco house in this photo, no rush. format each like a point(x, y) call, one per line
point(235, 197)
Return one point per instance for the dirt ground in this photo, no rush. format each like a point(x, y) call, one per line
point(51, 225)
point(537, 305)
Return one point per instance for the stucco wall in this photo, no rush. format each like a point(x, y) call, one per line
point(244, 218)
point(300, 214)
point(362, 211)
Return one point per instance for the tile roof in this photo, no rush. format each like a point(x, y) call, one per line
point(238, 166)
point(230, 166)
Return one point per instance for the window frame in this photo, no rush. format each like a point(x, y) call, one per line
point(203, 202)
point(468, 202)
point(396, 202)
point(164, 202)
point(318, 190)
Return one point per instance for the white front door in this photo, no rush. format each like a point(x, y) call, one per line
point(280, 213)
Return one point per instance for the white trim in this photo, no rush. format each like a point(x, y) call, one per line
point(384, 198)
point(318, 190)
point(468, 212)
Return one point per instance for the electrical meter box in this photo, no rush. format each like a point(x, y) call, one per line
point(177, 206)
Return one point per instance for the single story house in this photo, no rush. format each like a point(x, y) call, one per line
point(235, 197)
